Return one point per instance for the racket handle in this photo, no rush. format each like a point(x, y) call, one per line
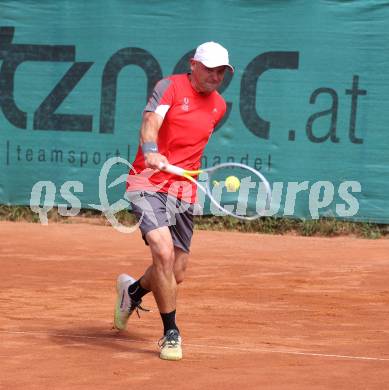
point(172, 169)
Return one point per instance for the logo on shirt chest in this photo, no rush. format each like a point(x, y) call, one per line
point(185, 104)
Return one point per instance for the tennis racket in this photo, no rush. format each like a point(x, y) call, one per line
point(234, 189)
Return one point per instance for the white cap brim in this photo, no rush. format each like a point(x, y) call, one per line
point(215, 65)
point(210, 64)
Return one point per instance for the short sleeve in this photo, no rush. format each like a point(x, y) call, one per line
point(162, 97)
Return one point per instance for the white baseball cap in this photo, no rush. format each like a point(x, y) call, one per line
point(211, 54)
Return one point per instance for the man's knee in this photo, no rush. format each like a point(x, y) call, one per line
point(162, 251)
point(164, 256)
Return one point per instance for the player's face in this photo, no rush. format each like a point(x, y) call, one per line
point(206, 80)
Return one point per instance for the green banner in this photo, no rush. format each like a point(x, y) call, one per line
point(307, 105)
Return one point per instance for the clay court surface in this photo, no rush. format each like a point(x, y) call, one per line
point(256, 312)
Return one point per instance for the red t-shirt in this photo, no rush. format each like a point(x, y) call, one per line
point(189, 119)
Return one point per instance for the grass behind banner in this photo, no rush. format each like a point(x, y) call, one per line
point(326, 227)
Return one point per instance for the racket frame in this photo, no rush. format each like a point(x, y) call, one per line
point(173, 169)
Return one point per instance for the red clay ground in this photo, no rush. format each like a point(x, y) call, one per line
point(256, 312)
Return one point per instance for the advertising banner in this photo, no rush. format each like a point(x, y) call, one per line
point(308, 104)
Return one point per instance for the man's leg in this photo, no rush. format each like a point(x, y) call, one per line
point(180, 264)
point(162, 277)
point(168, 267)
point(159, 277)
point(137, 289)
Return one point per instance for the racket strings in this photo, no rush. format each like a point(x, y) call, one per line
point(237, 191)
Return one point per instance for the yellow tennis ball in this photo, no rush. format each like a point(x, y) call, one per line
point(232, 183)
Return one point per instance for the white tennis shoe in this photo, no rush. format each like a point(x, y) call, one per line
point(124, 306)
point(170, 346)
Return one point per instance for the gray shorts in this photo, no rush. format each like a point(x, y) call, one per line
point(160, 209)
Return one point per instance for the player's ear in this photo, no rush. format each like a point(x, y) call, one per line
point(192, 64)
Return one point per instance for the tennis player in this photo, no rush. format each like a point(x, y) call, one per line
point(177, 122)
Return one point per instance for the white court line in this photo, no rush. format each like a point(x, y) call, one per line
point(221, 347)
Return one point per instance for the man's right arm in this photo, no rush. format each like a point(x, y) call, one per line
point(151, 123)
